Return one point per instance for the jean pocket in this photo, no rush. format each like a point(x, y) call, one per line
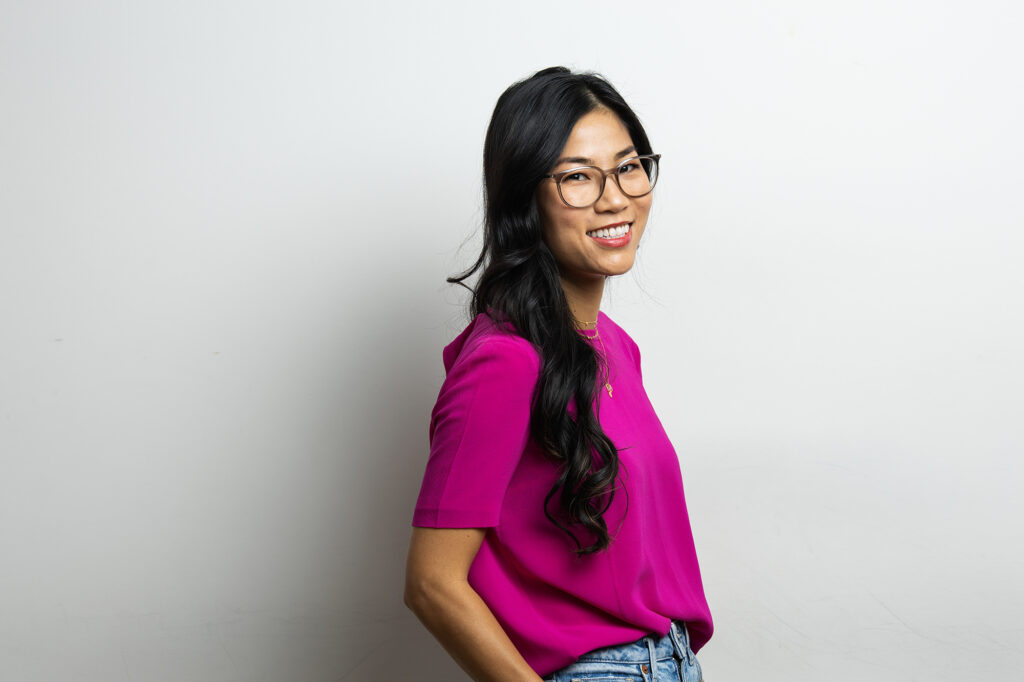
point(690, 672)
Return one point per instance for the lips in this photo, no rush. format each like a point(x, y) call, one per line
point(611, 231)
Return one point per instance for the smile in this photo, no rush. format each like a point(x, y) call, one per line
point(615, 235)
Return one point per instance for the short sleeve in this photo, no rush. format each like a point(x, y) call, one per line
point(479, 428)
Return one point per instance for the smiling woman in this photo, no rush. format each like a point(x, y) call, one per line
point(551, 536)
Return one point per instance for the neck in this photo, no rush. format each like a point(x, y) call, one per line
point(584, 298)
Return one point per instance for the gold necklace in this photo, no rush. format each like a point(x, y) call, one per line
point(604, 352)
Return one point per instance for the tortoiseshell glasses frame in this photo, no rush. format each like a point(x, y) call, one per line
point(586, 192)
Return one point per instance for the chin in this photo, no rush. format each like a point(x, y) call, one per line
point(622, 270)
point(626, 264)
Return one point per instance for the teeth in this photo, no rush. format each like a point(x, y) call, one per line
point(611, 232)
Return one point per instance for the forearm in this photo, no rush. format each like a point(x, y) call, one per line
point(467, 629)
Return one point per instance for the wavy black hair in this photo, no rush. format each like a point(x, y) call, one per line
point(520, 283)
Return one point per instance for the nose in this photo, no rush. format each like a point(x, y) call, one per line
point(611, 199)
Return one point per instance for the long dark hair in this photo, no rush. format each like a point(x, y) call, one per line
point(520, 283)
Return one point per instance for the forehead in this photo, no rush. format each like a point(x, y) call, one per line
point(598, 135)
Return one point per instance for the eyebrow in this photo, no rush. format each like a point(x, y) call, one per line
point(590, 162)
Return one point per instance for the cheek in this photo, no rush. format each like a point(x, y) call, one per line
point(560, 236)
point(553, 237)
point(644, 211)
point(548, 215)
point(555, 225)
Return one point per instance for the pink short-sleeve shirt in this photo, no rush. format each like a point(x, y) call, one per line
point(485, 471)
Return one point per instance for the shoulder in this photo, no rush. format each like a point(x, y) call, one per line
point(609, 327)
point(491, 343)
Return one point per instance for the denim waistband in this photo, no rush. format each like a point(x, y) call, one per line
point(647, 649)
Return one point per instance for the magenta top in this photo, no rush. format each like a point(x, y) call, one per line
point(485, 471)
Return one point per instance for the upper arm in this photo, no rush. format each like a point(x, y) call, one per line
point(440, 555)
point(479, 429)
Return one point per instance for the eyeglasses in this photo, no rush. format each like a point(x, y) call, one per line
point(583, 186)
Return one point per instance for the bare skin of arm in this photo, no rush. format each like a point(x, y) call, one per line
point(438, 592)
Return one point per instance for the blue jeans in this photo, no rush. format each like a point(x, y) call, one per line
point(648, 659)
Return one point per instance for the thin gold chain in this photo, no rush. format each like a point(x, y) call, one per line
point(604, 352)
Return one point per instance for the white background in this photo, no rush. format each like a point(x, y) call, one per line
point(225, 232)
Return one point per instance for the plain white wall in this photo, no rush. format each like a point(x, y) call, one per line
point(225, 232)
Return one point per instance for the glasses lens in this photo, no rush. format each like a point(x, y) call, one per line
point(637, 176)
point(581, 188)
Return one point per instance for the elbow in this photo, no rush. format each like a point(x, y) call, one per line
point(423, 593)
point(415, 593)
point(409, 599)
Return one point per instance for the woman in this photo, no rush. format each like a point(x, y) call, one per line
point(549, 542)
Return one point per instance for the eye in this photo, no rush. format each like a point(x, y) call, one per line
point(629, 167)
point(578, 176)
